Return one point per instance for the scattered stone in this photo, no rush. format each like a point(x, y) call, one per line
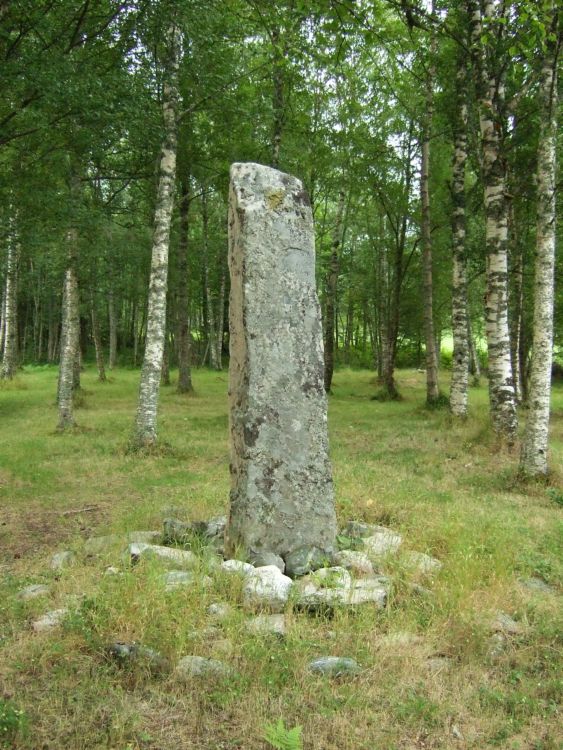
point(358, 563)
point(50, 620)
point(334, 666)
point(191, 667)
point(237, 566)
point(312, 596)
point(111, 570)
point(62, 560)
point(184, 558)
point(282, 496)
point(383, 542)
point(419, 590)
point(304, 560)
point(457, 733)
point(503, 623)
point(261, 559)
point(422, 563)
point(331, 578)
point(220, 610)
point(360, 529)
point(128, 653)
point(177, 579)
point(33, 591)
point(211, 529)
point(537, 584)
point(175, 530)
point(267, 625)
point(266, 588)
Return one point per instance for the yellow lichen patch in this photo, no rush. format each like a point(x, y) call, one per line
point(274, 198)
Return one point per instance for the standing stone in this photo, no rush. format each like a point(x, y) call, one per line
point(282, 497)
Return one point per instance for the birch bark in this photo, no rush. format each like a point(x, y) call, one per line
point(10, 316)
point(145, 431)
point(533, 458)
point(490, 86)
point(460, 323)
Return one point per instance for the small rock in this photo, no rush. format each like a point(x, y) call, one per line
point(358, 563)
point(359, 529)
point(332, 578)
point(497, 646)
point(111, 570)
point(266, 588)
point(135, 652)
point(537, 584)
point(503, 623)
point(213, 528)
point(438, 663)
point(261, 559)
point(334, 666)
point(383, 542)
point(220, 610)
point(50, 620)
point(175, 530)
point(62, 560)
point(176, 579)
point(33, 591)
point(419, 590)
point(237, 566)
point(422, 563)
point(457, 733)
point(190, 667)
point(304, 560)
point(267, 625)
point(137, 550)
point(361, 591)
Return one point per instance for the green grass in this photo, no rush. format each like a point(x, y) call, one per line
point(441, 484)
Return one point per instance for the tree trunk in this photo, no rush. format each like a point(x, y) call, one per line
point(70, 331)
point(432, 389)
point(211, 348)
point(184, 369)
point(460, 322)
point(278, 96)
point(97, 340)
point(221, 313)
point(331, 289)
point(533, 458)
point(516, 310)
point(165, 370)
point(112, 320)
point(10, 317)
point(490, 87)
point(145, 432)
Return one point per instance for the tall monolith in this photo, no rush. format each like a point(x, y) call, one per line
point(282, 497)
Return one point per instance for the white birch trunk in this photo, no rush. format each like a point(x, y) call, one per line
point(533, 458)
point(460, 359)
point(145, 431)
point(491, 93)
point(10, 316)
point(69, 337)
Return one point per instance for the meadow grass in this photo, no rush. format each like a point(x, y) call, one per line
point(441, 484)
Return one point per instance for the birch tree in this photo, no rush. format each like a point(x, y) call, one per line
point(145, 430)
point(10, 307)
point(533, 458)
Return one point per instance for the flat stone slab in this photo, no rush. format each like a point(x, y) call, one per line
point(33, 591)
point(282, 496)
point(267, 625)
point(312, 595)
point(129, 653)
point(261, 559)
point(169, 555)
point(62, 560)
point(193, 667)
point(266, 588)
point(334, 666)
point(237, 566)
point(383, 542)
point(358, 563)
point(50, 620)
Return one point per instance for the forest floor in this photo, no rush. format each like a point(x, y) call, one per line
point(431, 675)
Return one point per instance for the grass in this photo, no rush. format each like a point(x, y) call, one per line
point(439, 483)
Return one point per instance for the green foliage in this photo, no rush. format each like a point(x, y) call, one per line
point(556, 495)
point(282, 738)
point(13, 721)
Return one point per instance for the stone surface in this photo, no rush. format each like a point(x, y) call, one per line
point(62, 560)
point(129, 653)
point(332, 578)
point(237, 566)
point(174, 530)
point(97, 545)
point(260, 559)
point(50, 620)
point(169, 555)
point(537, 584)
point(334, 666)
point(438, 663)
point(360, 529)
point(503, 623)
point(304, 560)
point(267, 625)
point(282, 496)
point(422, 563)
point(357, 563)
point(457, 733)
point(220, 610)
point(312, 594)
point(111, 570)
point(192, 667)
point(33, 591)
point(266, 588)
point(383, 542)
point(177, 579)
point(214, 527)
